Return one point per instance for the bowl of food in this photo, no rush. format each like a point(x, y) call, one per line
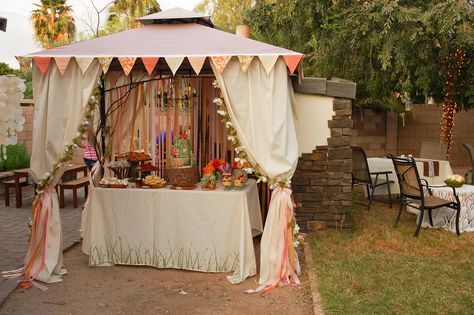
point(113, 182)
point(455, 181)
point(154, 181)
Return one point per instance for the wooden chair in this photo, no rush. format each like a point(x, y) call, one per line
point(18, 183)
point(361, 175)
point(411, 191)
point(470, 151)
point(74, 185)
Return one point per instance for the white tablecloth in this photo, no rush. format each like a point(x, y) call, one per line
point(386, 164)
point(199, 230)
point(445, 217)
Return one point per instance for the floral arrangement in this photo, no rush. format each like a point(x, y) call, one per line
point(227, 167)
point(455, 181)
point(135, 156)
point(209, 178)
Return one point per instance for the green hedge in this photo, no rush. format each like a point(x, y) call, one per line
point(17, 157)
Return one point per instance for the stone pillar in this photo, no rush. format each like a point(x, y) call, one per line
point(322, 181)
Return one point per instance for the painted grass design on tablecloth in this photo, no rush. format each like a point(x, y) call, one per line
point(173, 257)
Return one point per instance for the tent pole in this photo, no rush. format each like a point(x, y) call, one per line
point(102, 113)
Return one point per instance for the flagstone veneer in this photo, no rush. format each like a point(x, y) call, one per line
point(322, 181)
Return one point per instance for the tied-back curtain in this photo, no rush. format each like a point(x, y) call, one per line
point(60, 101)
point(260, 107)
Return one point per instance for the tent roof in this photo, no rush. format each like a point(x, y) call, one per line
point(176, 15)
point(167, 40)
point(169, 35)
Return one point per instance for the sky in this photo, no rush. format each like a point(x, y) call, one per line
point(18, 39)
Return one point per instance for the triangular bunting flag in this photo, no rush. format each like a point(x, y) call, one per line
point(292, 61)
point(268, 61)
point(127, 64)
point(220, 62)
point(25, 63)
point(197, 63)
point(150, 63)
point(174, 63)
point(245, 62)
point(84, 63)
point(62, 63)
point(42, 63)
point(105, 63)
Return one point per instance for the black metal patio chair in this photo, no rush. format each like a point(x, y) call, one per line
point(361, 175)
point(412, 193)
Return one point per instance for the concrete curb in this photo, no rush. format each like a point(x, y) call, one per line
point(313, 283)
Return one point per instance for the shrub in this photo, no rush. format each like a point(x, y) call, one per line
point(17, 157)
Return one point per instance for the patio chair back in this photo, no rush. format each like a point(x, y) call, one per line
point(433, 150)
point(408, 177)
point(470, 151)
point(360, 167)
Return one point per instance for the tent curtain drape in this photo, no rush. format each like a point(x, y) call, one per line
point(60, 102)
point(260, 107)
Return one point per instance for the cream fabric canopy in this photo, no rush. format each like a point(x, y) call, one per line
point(254, 79)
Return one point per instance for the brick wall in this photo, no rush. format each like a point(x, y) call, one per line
point(25, 137)
point(322, 181)
point(380, 133)
point(423, 124)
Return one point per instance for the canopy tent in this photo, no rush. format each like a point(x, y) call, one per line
point(255, 84)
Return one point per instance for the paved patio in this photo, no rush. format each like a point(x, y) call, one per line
point(14, 234)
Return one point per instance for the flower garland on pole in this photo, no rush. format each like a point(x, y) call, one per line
point(249, 168)
point(67, 154)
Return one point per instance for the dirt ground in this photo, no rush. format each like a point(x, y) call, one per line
point(147, 290)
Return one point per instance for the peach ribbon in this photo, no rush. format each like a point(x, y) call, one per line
point(289, 265)
point(42, 209)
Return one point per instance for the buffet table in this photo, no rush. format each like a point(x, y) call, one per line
point(385, 164)
point(208, 231)
point(445, 218)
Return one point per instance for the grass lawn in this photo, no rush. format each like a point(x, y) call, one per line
point(379, 269)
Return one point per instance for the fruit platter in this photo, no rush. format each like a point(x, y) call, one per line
point(113, 182)
point(154, 181)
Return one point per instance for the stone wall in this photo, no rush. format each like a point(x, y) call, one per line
point(322, 181)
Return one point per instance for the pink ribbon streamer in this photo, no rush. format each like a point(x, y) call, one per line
point(286, 274)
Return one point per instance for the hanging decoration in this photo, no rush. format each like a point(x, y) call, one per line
point(11, 118)
point(268, 61)
point(150, 63)
point(197, 63)
point(455, 64)
point(42, 63)
point(105, 63)
point(127, 64)
point(84, 63)
point(220, 62)
point(174, 63)
point(292, 61)
point(25, 63)
point(245, 62)
point(61, 63)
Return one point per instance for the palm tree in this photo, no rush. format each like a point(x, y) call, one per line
point(53, 23)
point(124, 12)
